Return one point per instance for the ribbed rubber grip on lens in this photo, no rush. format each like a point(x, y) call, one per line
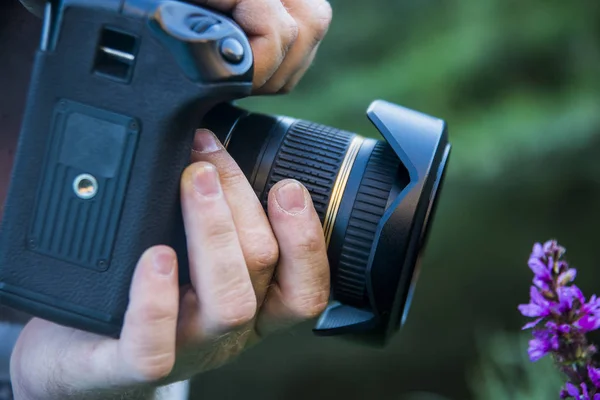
point(369, 206)
point(311, 154)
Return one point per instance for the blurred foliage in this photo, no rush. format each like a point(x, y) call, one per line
point(505, 372)
point(518, 83)
point(511, 77)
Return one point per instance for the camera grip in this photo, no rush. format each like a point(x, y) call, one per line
point(103, 144)
point(82, 239)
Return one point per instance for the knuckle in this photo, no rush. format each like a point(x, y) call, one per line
point(310, 305)
point(264, 254)
point(322, 20)
point(231, 176)
point(154, 368)
point(154, 313)
point(236, 308)
point(290, 31)
point(220, 232)
point(286, 89)
point(312, 242)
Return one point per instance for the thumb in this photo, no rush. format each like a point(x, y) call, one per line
point(52, 361)
point(146, 349)
point(145, 352)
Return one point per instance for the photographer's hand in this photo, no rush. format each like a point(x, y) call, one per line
point(250, 276)
point(284, 35)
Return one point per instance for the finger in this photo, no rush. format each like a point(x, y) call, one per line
point(147, 344)
point(313, 18)
point(298, 75)
point(301, 288)
point(218, 272)
point(256, 237)
point(270, 29)
point(78, 361)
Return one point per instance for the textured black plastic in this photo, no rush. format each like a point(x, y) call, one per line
point(369, 206)
point(311, 154)
point(168, 107)
point(83, 140)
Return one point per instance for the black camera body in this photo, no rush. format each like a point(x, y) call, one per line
point(123, 136)
point(118, 89)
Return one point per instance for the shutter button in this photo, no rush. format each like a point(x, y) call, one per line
point(232, 50)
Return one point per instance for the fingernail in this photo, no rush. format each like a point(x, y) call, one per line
point(291, 197)
point(206, 180)
point(206, 142)
point(164, 263)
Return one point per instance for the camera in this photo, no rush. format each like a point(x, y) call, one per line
point(118, 89)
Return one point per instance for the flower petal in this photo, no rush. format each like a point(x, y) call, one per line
point(549, 246)
point(592, 306)
point(594, 374)
point(564, 328)
point(554, 342)
point(536, 297)
point(552, 247)
point(538, 348)
point(567, 277)
point(536, 354)
point(584, 391)
point(531, 324)
point(542, 284)
point(532, 310)
point(588, 323)
point(537, 251)
point(562, 266)
point(577, 294)
point(572, 389)
point(539, 269)
point(566, 296)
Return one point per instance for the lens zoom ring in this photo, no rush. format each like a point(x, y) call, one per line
point(312, 154)
point(369, 206)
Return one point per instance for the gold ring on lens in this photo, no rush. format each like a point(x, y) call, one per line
point(340, 186)
point(227, 139)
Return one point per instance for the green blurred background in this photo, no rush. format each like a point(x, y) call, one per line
point(518, 83)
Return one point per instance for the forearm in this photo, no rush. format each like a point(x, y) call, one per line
point(175, 391)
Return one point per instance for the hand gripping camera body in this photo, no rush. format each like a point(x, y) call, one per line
point(118, 89)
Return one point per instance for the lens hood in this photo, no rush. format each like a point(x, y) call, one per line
point(421, 143)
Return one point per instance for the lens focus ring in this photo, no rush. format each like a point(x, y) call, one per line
point(369, 206)
point(314, 155)
point(311, 154)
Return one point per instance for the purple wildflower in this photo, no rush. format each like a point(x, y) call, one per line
point(594, 374)
point(543, 342)
point(562, 318)
point(572, 391)
point(537, 307)
point(589, 319)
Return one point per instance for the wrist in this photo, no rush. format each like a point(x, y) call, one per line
point(174, 391)
point(21, 392)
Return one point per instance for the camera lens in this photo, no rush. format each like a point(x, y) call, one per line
point(375, 200)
